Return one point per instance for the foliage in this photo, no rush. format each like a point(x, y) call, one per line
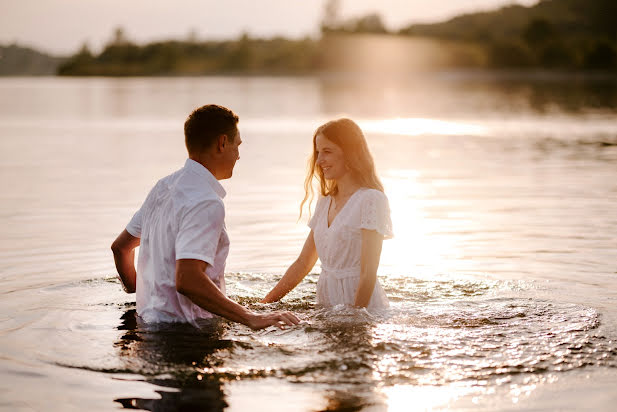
point(553, 34)
point(245, 55)
point(17, 60)
point(564, 34)
point(371, 23)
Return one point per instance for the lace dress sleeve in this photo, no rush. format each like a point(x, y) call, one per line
point(375, 213)
point(314, 218)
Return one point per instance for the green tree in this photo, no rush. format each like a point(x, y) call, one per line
point(371, 23)
point(602, 56)
point(510, 54)
point(119, 38)
point(331, 18)
point(538, 32)
point(556, 55)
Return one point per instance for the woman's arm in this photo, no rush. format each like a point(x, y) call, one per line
point(296, 272)
point(371, 252)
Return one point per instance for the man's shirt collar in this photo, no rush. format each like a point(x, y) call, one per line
point(201, 170)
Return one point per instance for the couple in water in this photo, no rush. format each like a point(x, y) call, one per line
point(180, 229)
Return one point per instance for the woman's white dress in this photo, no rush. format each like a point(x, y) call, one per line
point(339, 246)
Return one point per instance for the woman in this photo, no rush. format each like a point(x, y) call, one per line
point(351, 219)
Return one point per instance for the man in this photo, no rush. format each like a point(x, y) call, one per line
point(181, 232)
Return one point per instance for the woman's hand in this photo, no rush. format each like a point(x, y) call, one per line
point(295, 273)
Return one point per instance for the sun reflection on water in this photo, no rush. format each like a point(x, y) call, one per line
point(422, 126)
point(414, 246)
point(423, 398)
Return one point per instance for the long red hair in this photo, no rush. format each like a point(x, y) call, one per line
point(346, 134)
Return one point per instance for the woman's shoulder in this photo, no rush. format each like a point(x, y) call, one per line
point(375, 212)
point(321, 202)
point(321, 205)
point(373, 194)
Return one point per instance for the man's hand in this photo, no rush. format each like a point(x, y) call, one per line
point(279, 319)
point(192, 282)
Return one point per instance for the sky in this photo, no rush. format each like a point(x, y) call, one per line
point(63, 26)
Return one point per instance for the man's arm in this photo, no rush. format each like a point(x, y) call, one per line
point(124, 257)
point(192, 282)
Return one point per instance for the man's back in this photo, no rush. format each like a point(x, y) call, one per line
point(180, 229)
point(182, 218)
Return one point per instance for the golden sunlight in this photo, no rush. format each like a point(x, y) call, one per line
point(422, 126)
point(423, 398)
point(415, 244)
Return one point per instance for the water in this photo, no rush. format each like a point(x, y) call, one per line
point(501, 276)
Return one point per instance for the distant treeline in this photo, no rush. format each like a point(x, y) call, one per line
point(245, 55)
point(24, 61)
point(554, 34)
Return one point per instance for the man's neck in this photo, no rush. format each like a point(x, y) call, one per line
point(205, 161)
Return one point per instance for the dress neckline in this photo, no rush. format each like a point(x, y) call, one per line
point(329, 225)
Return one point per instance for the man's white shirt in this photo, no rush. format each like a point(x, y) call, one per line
point(183, 217)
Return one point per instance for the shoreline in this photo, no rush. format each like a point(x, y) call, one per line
point(448, 74)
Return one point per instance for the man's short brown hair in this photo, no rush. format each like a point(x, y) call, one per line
point(206, 124)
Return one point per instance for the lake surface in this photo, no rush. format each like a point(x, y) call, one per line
point(502, 274)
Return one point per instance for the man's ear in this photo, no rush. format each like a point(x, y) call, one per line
point(221, 142)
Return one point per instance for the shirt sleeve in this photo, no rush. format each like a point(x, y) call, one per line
point(199, 231)
point(375, 213)
point(314, 219)
point(134, 226)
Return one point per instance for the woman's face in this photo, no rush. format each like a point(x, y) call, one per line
point(330, 158)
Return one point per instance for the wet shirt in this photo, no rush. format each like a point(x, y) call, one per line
point(183, 217)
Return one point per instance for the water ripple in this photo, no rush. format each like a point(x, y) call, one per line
point(436, 333)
